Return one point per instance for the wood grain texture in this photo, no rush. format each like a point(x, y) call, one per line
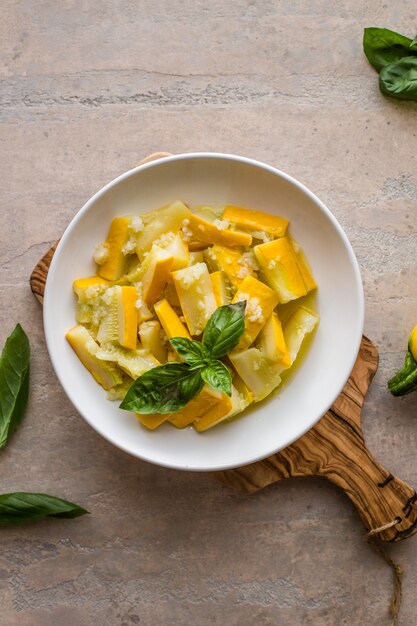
point(334, 449)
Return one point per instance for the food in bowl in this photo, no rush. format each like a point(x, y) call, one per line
point(193, 315)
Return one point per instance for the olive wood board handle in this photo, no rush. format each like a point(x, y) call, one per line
point(334, 448)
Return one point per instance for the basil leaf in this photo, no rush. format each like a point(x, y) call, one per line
point(218, 377)
point(413, 44)
point(14, 382)
point(224, 329)
point(193, 352)
point(383, 46)
point(21, 507)
point(399, 80)
point(164, 389)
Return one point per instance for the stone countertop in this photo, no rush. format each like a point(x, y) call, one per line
point(87, 90)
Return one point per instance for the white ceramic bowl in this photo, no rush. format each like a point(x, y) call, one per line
point(206, 178)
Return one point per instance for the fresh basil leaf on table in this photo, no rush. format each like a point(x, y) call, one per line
point(383, 46)
point(218, 377)
point(163, 389)
point(22, 507)
point(224, 329)
point(193, 352)
point(399, 80)
point(14, 382)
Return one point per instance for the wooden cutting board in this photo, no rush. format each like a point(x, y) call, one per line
point(334, 449)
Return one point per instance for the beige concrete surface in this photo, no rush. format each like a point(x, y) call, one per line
point(87, 88)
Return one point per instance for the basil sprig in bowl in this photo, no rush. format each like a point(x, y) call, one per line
point(216, 180)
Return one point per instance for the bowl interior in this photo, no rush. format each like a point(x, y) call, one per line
point(272, 425)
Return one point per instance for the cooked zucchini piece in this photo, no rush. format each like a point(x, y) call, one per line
point(150, 334)
point(272, 342)
point(128, 317)
point(223, 410)
point(114, 263)
point(196, 408)
point(196, 296)
point(260, 375)
point(177, 248)
point(216, 232)
point(279, 265)
point(235, 263)
point(133, 362)
point(196, 257)
point(248, 219)
point(299, 324)
point(220, 288)
point(156, 271)
point(170, 321)
point(304, 267)
point(165, 220)
point(152, 420)
point(260, 302)
point(86, 349)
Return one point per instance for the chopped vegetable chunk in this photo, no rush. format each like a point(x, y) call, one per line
point(272, 342)
point(196, 296)
point(279, 265)
point(115, 261)
point(150, 334)
point(128, 317)
point(215, 232)
point(256, 220)
point(218, 282)
point(156, 271)
point(85, 347)
point(259, 374)
point(170, 321)
point(232, 261)
point(168, 219)
point(260, 302)
point(301, 322)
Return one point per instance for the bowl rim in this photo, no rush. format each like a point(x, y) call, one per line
point(156, 163)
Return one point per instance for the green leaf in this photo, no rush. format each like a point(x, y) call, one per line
point(193, 352)
point(22, 507)
point(413, 44)
point(224, 329)
point(164, 389)
point(399, 80)
point(218, 377)
point(383, 46)
point(14, 382)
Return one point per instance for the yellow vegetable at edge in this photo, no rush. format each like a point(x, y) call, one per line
point(85, 347)
point(279, 265)
point(207, 231)
point(272, 342)
point(256, 220)
point(128, 317)
point(115, 265)
point(260, 302)
point(170, 321)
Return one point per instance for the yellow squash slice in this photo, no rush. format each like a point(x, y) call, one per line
point(272, 342)
point(213, 232)
point(86, 348)
point(128, 317)
point(225, 409)
point(249, 219)
point(231, 261)
point(114, 267)
point(260, 302)
point(150, 334)
point(196, 296)
point(260, 375)
point(133, 362)
point(304, 267)
point(168, 219)
point(220, 290)
point(170, 321)
point(299, 324)
point(156, 272)
point(280, 267)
